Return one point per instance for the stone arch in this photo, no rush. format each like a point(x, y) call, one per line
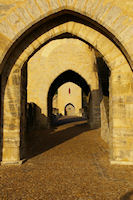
point(49, 53)
point(121, 80)
point(66, 76)
point(72, 110)
point(108, 14)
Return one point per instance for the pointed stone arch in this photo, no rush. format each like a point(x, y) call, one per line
point(72, 109)
point(121, 88)
point(106, 14)
point(64, 77)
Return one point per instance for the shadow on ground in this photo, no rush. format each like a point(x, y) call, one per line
point(66, 120)
point(127, 196)
point(39, 141)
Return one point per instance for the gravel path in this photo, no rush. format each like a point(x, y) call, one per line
point(69, 162)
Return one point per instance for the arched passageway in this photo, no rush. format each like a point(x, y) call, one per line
point(68, 76)
point(69, 110)
point(121, 90)
point(68, 93)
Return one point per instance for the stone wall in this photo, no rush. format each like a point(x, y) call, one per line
point(105, 119)
point(64, 98)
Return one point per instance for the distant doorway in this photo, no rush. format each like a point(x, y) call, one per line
point(69, 110)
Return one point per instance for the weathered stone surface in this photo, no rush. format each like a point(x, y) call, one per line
point(74, 97)
point(7, 30)
point(16, 22)
point(43, 4)
point(112, 15)
point(127, 33)
point(80, 4)
point(23, 13)
point(4, 8)
point(33, 8)
point(104, 106)
point(70, 2)
point(54, 4)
